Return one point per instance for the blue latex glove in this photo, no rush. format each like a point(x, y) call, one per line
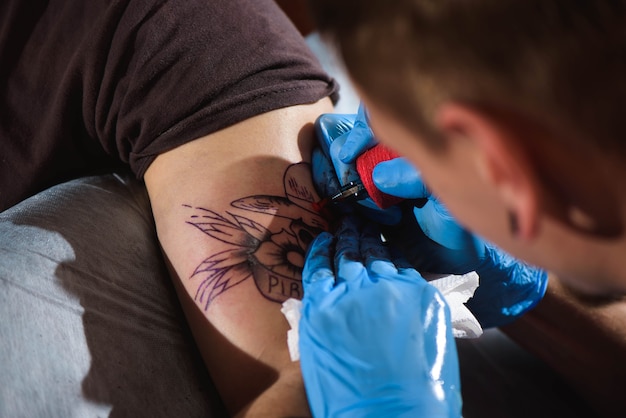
point(375, 337)
point(326, 175)
point(359, 139)
point(330, 173)
point(434, 242)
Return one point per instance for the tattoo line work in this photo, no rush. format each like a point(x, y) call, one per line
point(273, 257)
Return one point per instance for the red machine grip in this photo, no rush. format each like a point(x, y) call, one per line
point(365, 164)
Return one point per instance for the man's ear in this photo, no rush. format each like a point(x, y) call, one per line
point(502, 160)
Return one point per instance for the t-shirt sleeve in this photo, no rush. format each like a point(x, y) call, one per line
point(177, 71)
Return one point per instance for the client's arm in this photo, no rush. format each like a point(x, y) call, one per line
point(234, 217)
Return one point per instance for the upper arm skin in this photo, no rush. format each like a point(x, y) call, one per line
point(233, 218)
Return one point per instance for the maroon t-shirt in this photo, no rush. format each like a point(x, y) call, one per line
point(89, 85)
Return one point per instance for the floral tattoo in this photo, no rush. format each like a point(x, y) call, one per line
point(272, 256)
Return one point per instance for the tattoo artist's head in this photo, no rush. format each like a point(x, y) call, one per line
point(514, 112)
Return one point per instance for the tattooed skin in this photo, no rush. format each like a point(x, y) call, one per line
point(273, 257)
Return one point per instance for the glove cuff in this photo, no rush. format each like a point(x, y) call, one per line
point(508, 288)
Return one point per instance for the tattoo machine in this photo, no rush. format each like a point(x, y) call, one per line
point(353, 182)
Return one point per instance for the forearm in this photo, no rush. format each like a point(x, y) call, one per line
point(233, 216)
point(583, 340)
point(282, 399)
point(251, 388)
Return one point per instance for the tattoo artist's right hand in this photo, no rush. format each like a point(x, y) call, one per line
point(335, 132)
point(375, 337)
point(434, 242)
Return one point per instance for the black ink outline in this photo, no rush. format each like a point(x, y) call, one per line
point(273, 258)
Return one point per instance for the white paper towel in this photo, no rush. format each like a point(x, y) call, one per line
point(456, 290)
point(291, 309)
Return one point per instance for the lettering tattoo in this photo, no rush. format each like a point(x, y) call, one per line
point(272, 255)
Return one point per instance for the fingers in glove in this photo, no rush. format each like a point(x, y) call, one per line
point(324, 176)
point(330, 126)
point(398, 258)
point(348, 261)
point(359, 139)
point(398, 177)
point(375, 253)
point(317, 274)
